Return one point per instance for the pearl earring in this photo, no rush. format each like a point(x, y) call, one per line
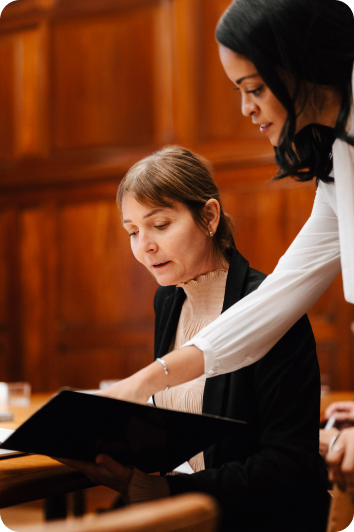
point(210, 233)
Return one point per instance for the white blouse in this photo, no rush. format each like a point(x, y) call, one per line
point(250, 328)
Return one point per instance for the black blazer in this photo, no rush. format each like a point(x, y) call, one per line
point(274, 478)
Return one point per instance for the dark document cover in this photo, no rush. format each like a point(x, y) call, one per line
point(80, 426)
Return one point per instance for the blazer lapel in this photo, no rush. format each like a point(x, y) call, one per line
point(171, 311)
point(235, 279)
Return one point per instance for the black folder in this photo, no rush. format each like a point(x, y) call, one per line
point(80, 426)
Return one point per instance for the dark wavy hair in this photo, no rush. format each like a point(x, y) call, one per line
point(177, 174)
point(313, 40)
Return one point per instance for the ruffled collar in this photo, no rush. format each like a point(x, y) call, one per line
point(205, 278)
point(205, 294)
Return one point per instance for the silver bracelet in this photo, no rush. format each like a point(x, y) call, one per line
point(165, 368)
point(163, 363)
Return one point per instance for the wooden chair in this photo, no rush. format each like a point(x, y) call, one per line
point(341, 512)
point(183, 513)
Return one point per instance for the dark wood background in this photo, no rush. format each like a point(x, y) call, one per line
point(87, 88)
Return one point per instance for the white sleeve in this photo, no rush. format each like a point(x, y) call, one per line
point(250, 328)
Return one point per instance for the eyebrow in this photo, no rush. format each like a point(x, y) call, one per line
point(239, 81)
point(151, 213)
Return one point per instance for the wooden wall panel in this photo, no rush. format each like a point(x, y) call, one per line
point(7, 99)
point(102, 82)
point(3, 270)
point(105, 308)
point(31, 95)
point(38, 301)
point(221, 117)
point(86, 367)
point(10, 329)
point(4, 318)
point(23, 96)
point(110, 285)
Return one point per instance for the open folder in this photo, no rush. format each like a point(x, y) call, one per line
point(80, 426)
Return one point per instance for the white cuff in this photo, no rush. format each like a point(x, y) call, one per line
point(210, 363)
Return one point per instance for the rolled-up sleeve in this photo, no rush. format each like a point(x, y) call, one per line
point(250, 328)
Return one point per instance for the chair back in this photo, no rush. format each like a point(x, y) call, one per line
point(183, 513)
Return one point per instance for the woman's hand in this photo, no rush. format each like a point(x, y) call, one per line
point(128, 389)
point(341, 411)
point(105, 471)
point(341, 461)
point(325, 439)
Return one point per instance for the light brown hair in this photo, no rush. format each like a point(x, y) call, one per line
point(175, 174)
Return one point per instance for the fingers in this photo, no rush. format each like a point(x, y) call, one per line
point(339, 406)
point(343, 416)
point(341, 461)
point(114, 468)
point(334, 461)
point(105, 471)
point(325, 439)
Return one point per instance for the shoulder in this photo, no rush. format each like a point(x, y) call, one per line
point(252, 281)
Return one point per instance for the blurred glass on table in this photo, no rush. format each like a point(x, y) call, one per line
point(15, 394)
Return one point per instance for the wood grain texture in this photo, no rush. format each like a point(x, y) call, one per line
point(7, 99)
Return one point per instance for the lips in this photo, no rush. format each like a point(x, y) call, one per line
point(160, 265)
point(265, 127)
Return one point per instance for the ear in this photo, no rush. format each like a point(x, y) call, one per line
point(212, 214)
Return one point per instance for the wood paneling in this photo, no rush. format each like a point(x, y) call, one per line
point(88, 88)
point(220, 104)
point(102, 83)
point(115, 285)
point(23, 95)
point(31, 97)
point(38, 291)
point(4, 318)
point(7, 99)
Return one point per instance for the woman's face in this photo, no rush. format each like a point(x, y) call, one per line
point(258, 101)
point(167, 241)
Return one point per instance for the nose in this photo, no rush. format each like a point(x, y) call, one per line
point(248, 106)
point(146, 243)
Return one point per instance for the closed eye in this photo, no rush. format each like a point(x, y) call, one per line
point(162, 226)
point(256, 92)
point(134, 233)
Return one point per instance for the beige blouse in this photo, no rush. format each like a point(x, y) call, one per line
point(203, 304)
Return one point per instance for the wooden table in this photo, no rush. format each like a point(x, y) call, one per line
point(32, 477)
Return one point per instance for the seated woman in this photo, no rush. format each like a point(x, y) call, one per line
point(273, 479)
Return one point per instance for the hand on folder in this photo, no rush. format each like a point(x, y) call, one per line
point(126, 390)
point(105, 471)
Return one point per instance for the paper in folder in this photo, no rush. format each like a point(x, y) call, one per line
point(80, 426)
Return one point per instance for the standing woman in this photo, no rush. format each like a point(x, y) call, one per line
point(292, 60)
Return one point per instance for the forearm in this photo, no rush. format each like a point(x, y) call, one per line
point(183, 365)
